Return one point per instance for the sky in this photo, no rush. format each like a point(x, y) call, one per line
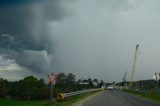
point(89, 38)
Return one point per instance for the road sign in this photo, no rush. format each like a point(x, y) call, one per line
point(52, 77)
point(60, 96)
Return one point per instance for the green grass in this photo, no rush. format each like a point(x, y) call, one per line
point(67, 102)
point(6, 102)
point(151, 96)
point(12, 102)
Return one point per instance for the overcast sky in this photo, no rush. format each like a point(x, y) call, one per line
point(90, 38)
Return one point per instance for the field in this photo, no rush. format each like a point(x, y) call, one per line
point(66, 102)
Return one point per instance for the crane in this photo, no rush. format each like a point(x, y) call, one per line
point(134, 64)
point(124, 80)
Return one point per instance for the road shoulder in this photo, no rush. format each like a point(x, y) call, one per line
point(79, 103)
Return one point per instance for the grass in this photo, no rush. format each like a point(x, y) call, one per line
point(151, 96)
point(6, 102)
point(67, 102)
point(12, 102)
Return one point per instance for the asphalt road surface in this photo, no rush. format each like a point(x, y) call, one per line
point(118, 98)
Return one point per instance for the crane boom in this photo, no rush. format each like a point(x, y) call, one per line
point(134, 64)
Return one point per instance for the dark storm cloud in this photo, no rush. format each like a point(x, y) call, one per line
point(23, 34)
point(26, 22)
point(14, 2)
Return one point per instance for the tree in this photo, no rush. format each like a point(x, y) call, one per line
point(78, 86)
point(79, 80)
point(101, 83)
point(41, 90)
point(65, 83)
point(85, 80)
point(29, 84)
point(90, 82)
point(71, 78)
point(4, 87)
point(70, 82)
point(95, 80)
point(15, 89)
point(61, 82)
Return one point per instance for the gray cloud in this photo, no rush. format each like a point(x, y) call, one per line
point(121, 5)
point(89, 38)
point(39, 61)
point(99, 40)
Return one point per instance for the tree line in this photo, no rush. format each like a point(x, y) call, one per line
point(32, 88)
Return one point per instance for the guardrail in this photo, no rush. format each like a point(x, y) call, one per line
point(80, 92)
point(61, 96)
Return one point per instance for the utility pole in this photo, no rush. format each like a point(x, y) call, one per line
point(51, 94)
point(125, 80)
point(157, 79)
point(134, 64)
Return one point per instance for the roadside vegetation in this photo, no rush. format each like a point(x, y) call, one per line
point(145, 88)
point(66, 102)
point(149, 95)
point(32, 91)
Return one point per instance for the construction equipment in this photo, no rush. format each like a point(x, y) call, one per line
point(124, 80)
point(134, 65)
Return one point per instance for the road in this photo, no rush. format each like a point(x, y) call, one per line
point(118, 98)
